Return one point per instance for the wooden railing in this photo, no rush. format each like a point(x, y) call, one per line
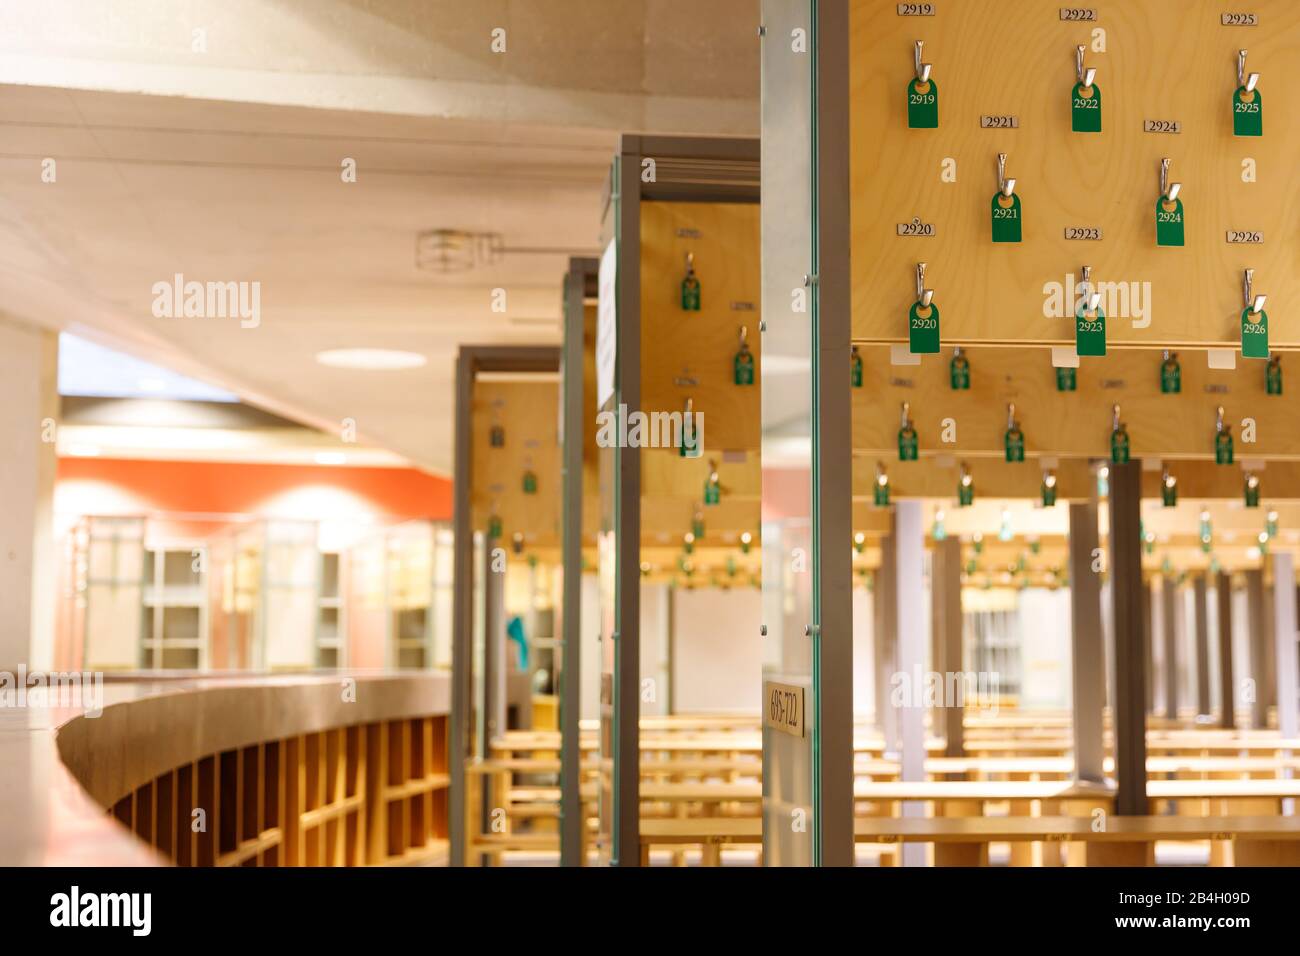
point(311, 771)
point(350, 796)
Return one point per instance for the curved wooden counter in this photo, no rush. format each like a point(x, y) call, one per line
point(338, 769)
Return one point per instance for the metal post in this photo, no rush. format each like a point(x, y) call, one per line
point(832, 438)
point(1088, 659)
point(945, 579)
point(580, 276)
point(1200, 605)
point(1130, 664)
point(1227, 684)
point(625, 828)
point(458, 744)
point(1148, 648)
point(909, 584)
point(1169, 620)
point(1284, 632)
point(1258, 638)
point(884, 644)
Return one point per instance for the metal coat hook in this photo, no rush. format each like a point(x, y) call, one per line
point(690, 262)
point(1093, 298)
point(906, 421)
point(1249, 82)
point(922, 69)
point(965, 474)
point(1168, 190)
point(924, 296)
point(1011, 415)
point(1168, 480)
point(1254, 303)
point(882, 479)
point(1006, 186)
point(1085, 76)
point(1115, 423)
point(1218, 420)
point(744, 335)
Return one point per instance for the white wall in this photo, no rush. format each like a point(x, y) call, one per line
point(1045, 647)
point(864, 669)
point(717, 651)
point(654, 648)
point(590, 644)
point(28, 403)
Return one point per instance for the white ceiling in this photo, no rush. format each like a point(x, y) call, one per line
point(152, 186)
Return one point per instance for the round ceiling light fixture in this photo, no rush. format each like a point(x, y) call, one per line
point(371, 360)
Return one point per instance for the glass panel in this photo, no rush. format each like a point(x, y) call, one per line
point(789, 795)
point(607, 538)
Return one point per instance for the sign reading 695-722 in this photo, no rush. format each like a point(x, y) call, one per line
point(783, 707)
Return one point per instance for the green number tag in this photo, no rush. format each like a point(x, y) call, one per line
point(1223, 448)
point(1066, 379)
point(497, 436)
point(1171, 378)
point(697, 527)
point(1015, 444)
point(880, 495)
point(1168, 494)
point(923, 328)
point(712, 492)
point(1247, 113)
point(1090, 334)
point(1085, 112)
point(494, 527)
point(922, 104)
point(1169, 223)
point(1119, 446)
point(744, 367)
point(907, 444)
point(855, 368)
point(1252, 496)
point(1049, 500)
point(1273, 376)
point(1005, 217)
point(530, 483)
point(691, 293)
point(690, 446)
point(965, 494)
point(1254, 334)
point(959, 373)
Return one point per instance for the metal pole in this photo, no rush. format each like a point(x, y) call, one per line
point(1088, 660)
point(1130, 663)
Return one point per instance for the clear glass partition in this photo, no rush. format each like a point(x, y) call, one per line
point(790, 729)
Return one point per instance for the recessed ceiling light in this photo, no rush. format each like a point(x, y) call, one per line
point(331, 458)
point(381, 360)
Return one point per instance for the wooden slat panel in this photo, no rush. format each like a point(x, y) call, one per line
point(678, 346)
point(528, 410)
point(1163, 61)
point(1069, 424)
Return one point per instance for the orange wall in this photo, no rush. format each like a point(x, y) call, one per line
point(106, 486)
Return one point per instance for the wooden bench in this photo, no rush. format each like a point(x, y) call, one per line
point(964, 841)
